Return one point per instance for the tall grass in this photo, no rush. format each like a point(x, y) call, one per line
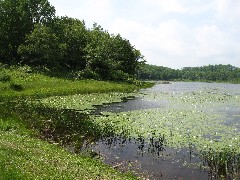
point(224, 164)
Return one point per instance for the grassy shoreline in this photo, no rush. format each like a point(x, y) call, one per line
point(19, 82)
point(22, 154)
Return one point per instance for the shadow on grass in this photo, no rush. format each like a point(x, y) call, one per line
point(66, 127)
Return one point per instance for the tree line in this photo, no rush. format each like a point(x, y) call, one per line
point(31, 34)
point(209, 73)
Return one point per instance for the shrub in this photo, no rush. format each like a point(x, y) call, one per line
point(25, 69)
point(90, 74)
point(16, 87)
point(5, 77)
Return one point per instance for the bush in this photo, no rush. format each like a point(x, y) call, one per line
point(5, 77)
point(119, 75)
point(88, 74)
point(16, 87)
point(25, 69)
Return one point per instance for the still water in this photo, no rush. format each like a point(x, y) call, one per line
point(155, 159)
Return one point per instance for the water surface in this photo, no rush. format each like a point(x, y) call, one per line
point(213, 109)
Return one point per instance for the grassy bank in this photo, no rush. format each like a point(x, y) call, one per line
point(22, 154)
point(22, 82)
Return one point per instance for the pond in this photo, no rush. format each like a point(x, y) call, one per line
point(167, 128)
point(181, 130)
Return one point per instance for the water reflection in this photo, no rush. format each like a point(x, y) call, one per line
point(183, 87)
point(151, 160)
point(154, 160)
point(232, 117)
point(130, 104)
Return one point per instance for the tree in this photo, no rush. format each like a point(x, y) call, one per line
point(99, 53)
point(17, 20)
point(42, 48)
point(61, 44)
point(126, 55)
point(153, 72)
point(31, 34)
point(72, 33)
point(111, 56)
point(39, 11)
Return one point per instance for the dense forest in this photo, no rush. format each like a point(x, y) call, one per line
point(210, 73)
point(31, 34)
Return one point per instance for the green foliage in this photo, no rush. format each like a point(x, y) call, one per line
point(73, 36)
point(88, 74)
point(16, 87)
point(40, 11)
point(41, 48)
point(210, 73)
point(24, 156)
point(5, 78)
point(111, 56)
point(222, 73)
point(17, 20)
point(152, 72)
point(59, 46)
point(38, 85)
point(32, 35)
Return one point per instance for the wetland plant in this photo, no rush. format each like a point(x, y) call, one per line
point(224, 163)
point(66, 127)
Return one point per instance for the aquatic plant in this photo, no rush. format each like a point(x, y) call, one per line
point(198, 119)
point(83, 102)
point(66, 127)
point(223, 163)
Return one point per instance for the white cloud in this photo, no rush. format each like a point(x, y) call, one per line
point(227, 11)
point(217, 46)
point(174, 44)
point(169, 6)
point(97, 11)
point(89, 10)
point(173, 33)
point(169, 39)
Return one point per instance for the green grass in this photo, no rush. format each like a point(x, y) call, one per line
point(22, 82)
point(22, 154)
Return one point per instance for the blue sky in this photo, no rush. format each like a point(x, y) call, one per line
point(171, 33)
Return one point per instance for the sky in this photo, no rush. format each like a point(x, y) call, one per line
point(170, 33)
